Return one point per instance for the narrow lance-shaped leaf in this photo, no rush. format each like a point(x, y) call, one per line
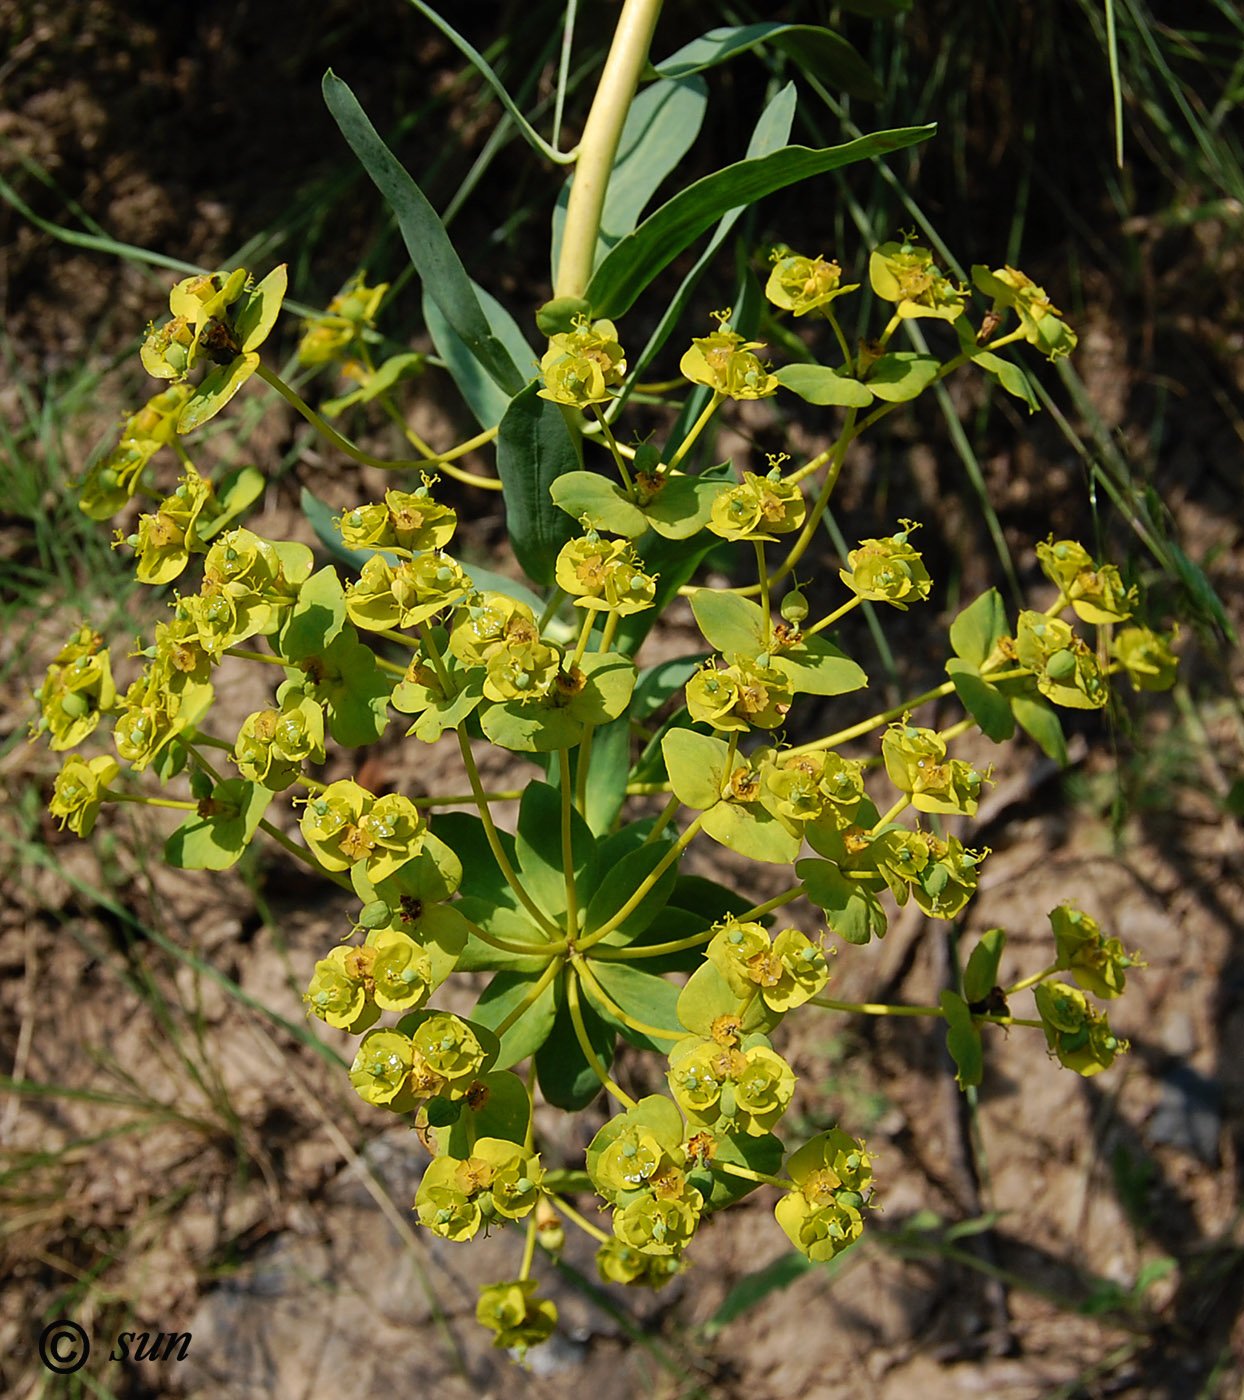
point(640, 256)
point(815, 49)
point(433, 255)
point(534, 447)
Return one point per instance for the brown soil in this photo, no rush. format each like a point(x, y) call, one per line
point(195, 1166)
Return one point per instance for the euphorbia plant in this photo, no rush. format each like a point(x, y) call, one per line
point(588, 930)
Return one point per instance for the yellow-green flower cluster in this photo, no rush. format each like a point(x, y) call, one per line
point(799, 285)
point(817, 787)
point(1077, 1033)
point(1146, 657)
point(759, 508)
point(345, 825)
point(1066, 669)
point(906, 275)
point(408, 593)
point(584, 365)
point(1098, 963)
point(79, 791)
point(1040, 320)
point(500, 634)
point(406, 520)
point(1095, 591)
point(330, 337)
point(730, 1088)
point(77, 689)
point(888, 570)
point(166, 538)
point(441, 1058)
point(219, 319)
point(619, 1263)
point(833, 1185)
point(637, 1163)
point(605, 575)
point(916, 762)
point(726, 363)
point(112, 480)
point(741, 696)
point(249, 585)
point(515, 1314)
point(783, 972)
point(499, 1181)
point(272, 745)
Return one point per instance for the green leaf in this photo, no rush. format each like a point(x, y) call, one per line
point(752, 831)
point(431, 252)
point(730, 623)
point(317, 617)
point(696, 765)
point(481, 876)
point(720, 1189)
point(707, 898)
point(817, 667)
point(215, 390)
point(501, 921)
point(644, 997)
point(752, 1289)
point(980, 976)
point(346, 680)
point(1011, 377)
point(821, 385)
point(682, 507)
point(259, 307)
point(963, 1040)
point(215, 838)
point(534, 447)
point(660, 129)
point(903, 375)
point(984, 702)
point(391, 372)
point(531, 1030)
point(236, 493)
point(604, 505)
point(442, 715)
point(538, 848)
point(661, 126)
point(607, 774)
point(642, 255)
point(708, 995)
point(503, 1114)
point(977, 629)
point(815, 50)
point(486, 399)
point(565, 1077)
point(620, 881)
point(851, 911)
point(558, 317)
point(1041, 723)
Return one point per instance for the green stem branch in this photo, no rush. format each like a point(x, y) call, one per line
point(585, 1044)
point(601, 133)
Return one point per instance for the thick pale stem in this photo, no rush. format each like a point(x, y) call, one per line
point(599, 146)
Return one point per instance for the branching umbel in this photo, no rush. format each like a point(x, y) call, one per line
point(583, 917)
